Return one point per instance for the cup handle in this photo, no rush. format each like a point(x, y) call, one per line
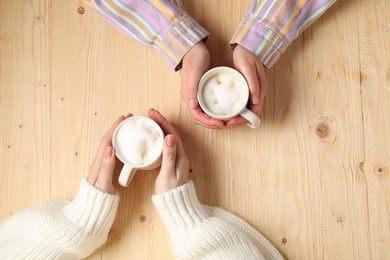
point(126, 175)
point(253, 119)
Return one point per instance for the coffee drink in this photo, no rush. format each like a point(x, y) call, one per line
point(224, 94)
point(139, 142)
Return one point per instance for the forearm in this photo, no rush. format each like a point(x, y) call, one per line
point(199, 231)
point(269, 27)
point(60, 229)
point(163, 25)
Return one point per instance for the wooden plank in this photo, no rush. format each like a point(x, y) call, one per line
point(374, 42)
point(25, 90)
point(313, 178)
point(321, 143)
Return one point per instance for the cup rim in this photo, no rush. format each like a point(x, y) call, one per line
point(115, 146)
point(206, 76)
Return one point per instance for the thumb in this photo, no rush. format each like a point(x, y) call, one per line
point(253, 82)
point(104, 181)
point(191, 91)
point(189, 84)
point(168, 167)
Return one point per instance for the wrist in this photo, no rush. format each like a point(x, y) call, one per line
point(180, 208)
point(92, 210)
point(199, 50)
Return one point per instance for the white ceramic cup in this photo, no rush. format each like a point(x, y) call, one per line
point(138, 143)
point(223, 93)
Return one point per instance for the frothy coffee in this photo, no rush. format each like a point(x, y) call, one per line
point(223, 94)
point(139, 141)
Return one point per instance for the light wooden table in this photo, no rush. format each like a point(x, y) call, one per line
point(314, 178)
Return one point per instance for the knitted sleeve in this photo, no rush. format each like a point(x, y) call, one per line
point(60, 229)
point(201, 232)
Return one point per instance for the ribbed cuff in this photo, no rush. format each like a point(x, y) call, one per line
point(179, 40)
point(260, 40)
point(180, 208)
point(92, 209)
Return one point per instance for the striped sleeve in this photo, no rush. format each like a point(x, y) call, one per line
point(161, 24)
point(269, 26)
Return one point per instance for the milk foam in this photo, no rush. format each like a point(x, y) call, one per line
point(223, 94)
point(139, 142)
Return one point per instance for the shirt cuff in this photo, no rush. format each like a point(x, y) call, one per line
point(179, 40)
point(92, 210)
point(180, 208)
point(260, 40)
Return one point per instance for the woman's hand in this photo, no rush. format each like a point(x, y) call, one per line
point(174, 167)
point(102, 167)
point(252, 69)
point(195, 63)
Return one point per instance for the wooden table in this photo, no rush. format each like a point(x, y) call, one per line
point(314, 178)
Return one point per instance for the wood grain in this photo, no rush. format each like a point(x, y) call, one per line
point(314, 178)
point(375, 84)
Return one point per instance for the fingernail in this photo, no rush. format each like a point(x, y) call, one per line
point(108, 152)
point(155, 110)
point(170, 140)
point(192, 103)
point(256, 99)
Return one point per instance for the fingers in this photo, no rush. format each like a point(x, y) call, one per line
point(163, 122)
point(236, 121)
point(175, 161)
point(189, 82)
point(246, 62)
point(262, 79)
point(105, 142)
point(174, 167)
point(195, 63)
point(253, 70)
point(256, 99)
point(201, 118)
point(189, 94)
point(104, 181)
point(167, 127)
point(94, 169)
point(239, 120)
point(108, 136)
point(168, 167)
point(250, 74)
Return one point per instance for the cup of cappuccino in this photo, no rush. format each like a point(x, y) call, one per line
point(138, 143)
point(223, 93)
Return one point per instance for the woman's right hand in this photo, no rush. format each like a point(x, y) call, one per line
point(174, 167)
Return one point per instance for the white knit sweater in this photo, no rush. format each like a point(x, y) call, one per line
point(60, 229)
point(201, 232)
point(73, 230)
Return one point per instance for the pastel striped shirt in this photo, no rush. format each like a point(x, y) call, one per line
point(267, 28)
point(161, 24)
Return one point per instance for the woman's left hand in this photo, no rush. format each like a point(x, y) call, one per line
point(102, 167)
